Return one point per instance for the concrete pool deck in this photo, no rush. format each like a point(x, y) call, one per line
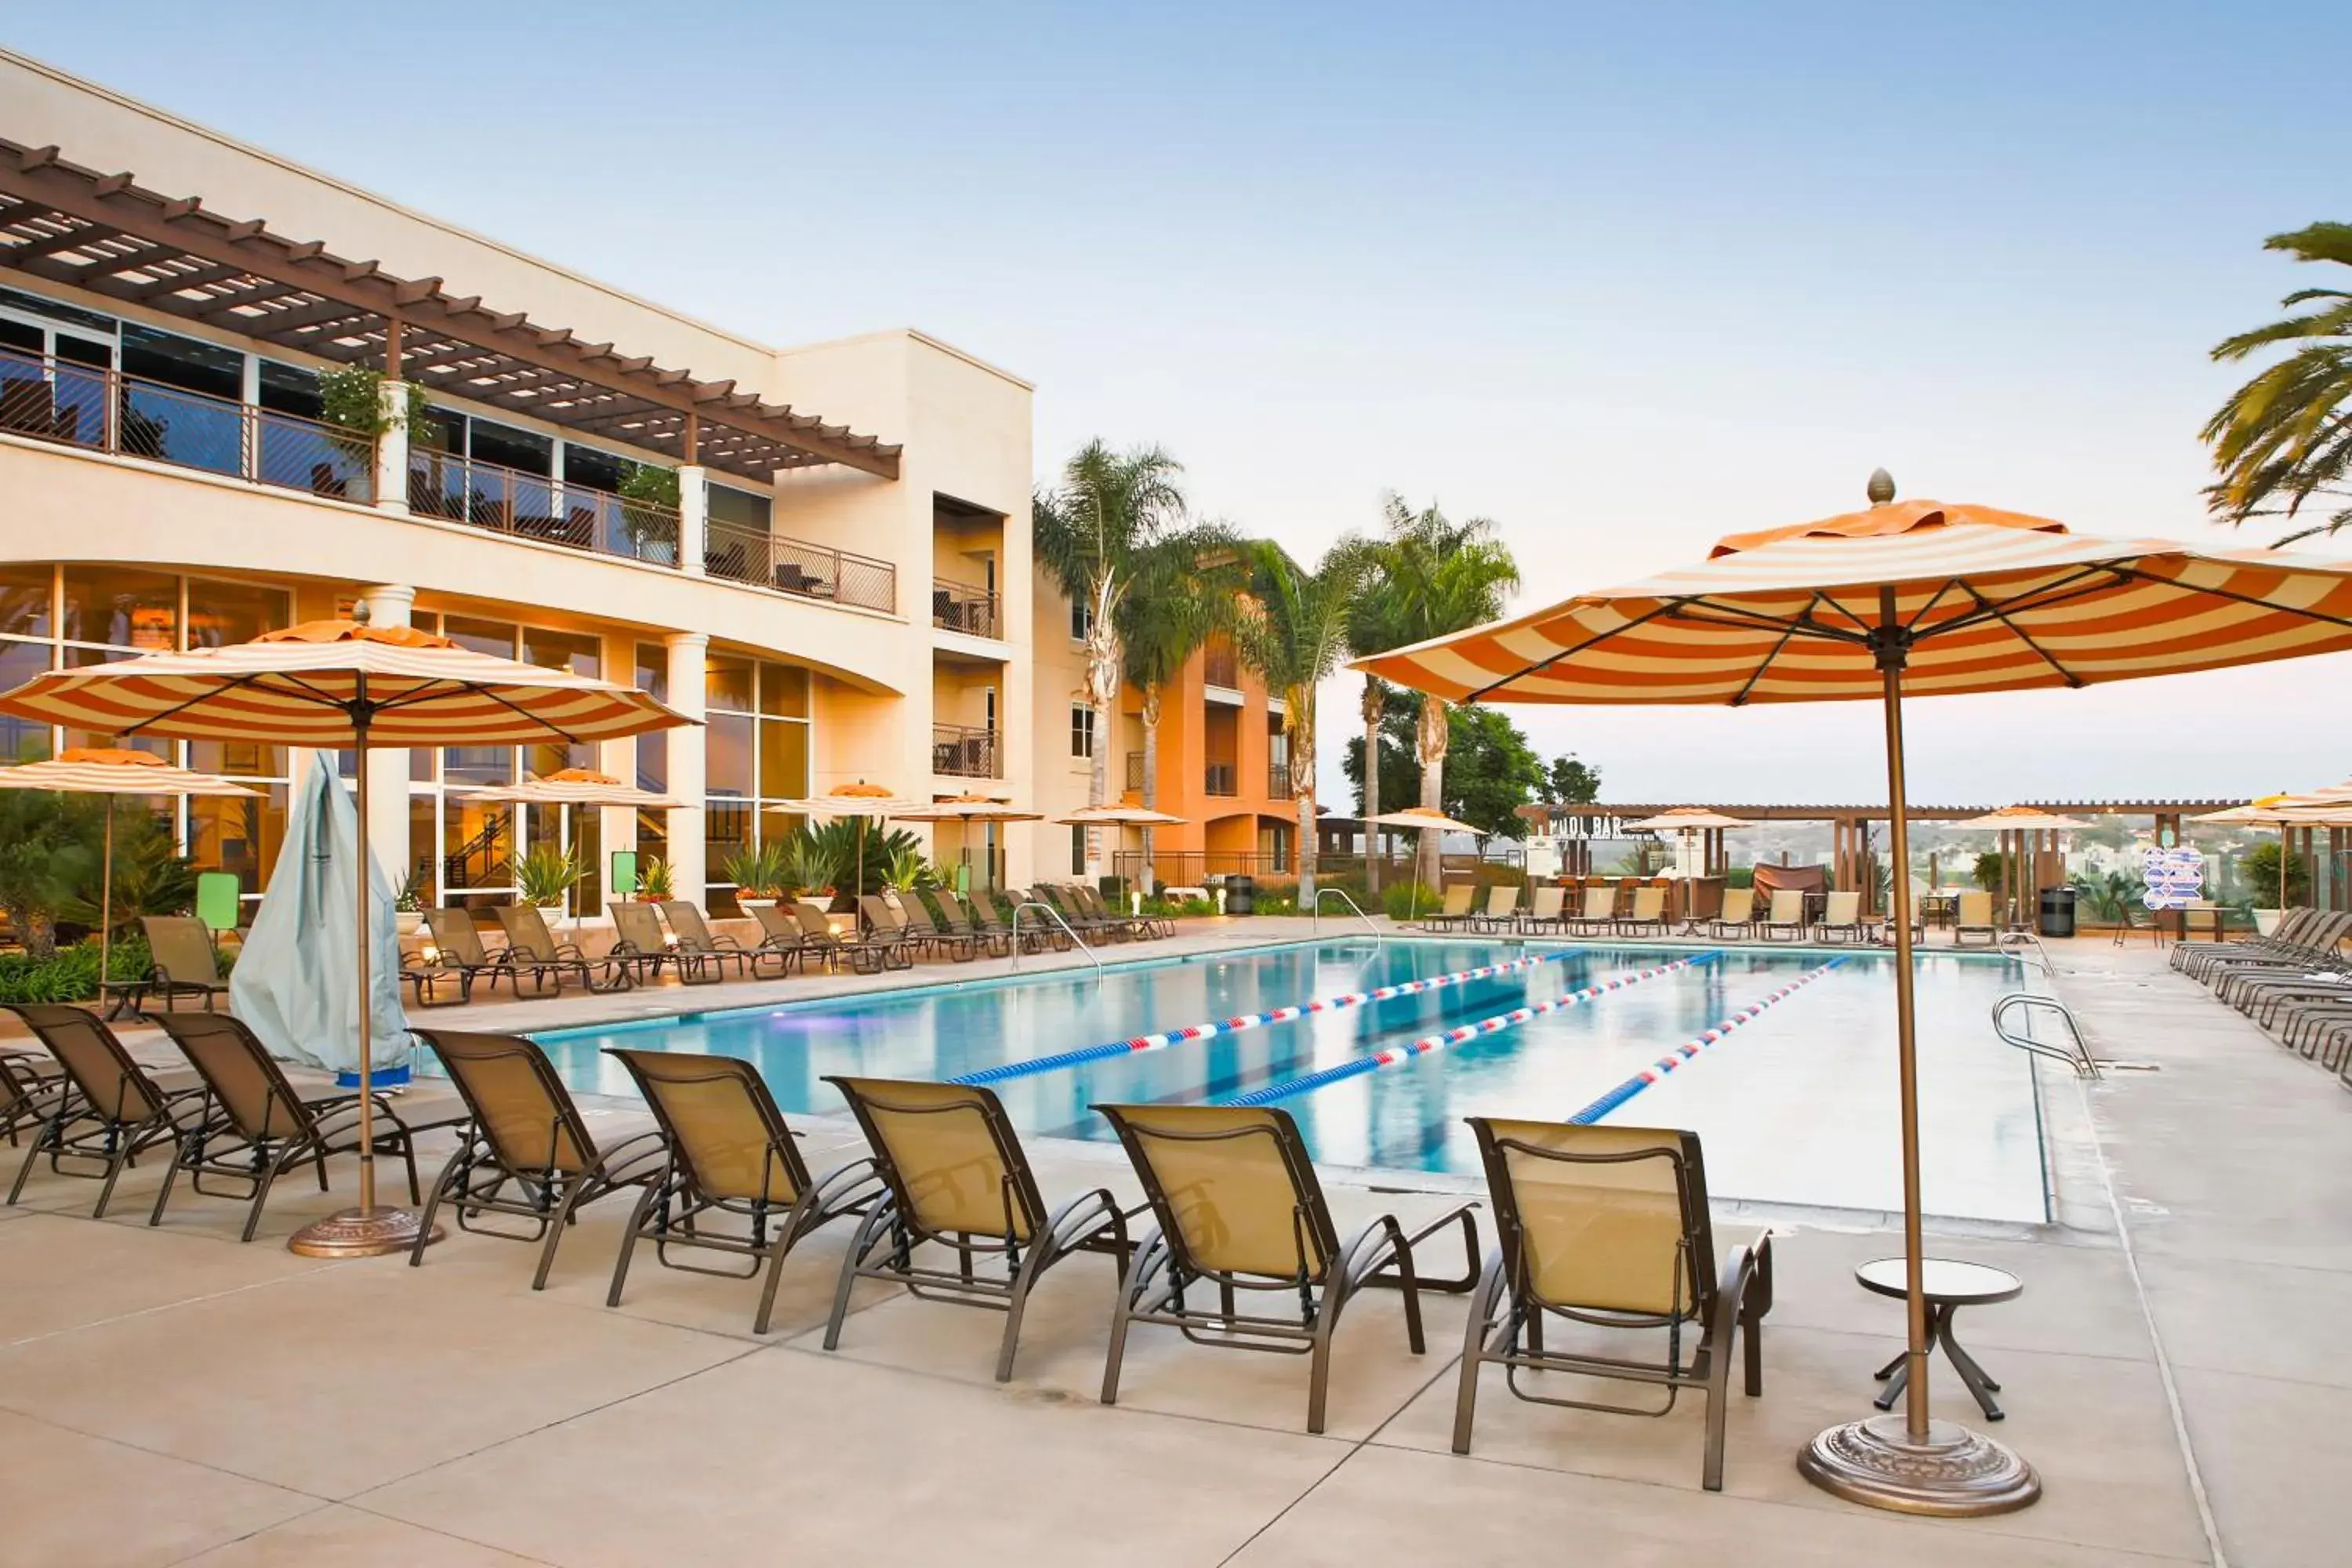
point(169, 1396)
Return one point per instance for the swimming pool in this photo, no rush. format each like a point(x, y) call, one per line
point(1797, 1106)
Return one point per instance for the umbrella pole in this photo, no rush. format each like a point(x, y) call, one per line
point(366, 1231)
point(106, 906)
point(1910, 1464)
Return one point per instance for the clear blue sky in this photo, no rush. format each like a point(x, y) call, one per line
point(1623, 277)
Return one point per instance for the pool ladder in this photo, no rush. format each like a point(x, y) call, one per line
point(1051, 913)
point(2076, 1055)
point(1342, 894)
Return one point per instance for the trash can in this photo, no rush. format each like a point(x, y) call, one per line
point(1241, 895)
point(2057, 912)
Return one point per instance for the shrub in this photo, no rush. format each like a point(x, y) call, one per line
point(1740, 877)
point(1408, 901)
point(1276, 903)
point(1179, 908)
point(69, 975)
point(2257, 874)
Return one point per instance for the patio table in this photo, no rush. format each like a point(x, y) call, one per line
point(1949, 1285)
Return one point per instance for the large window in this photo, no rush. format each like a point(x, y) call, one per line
point(1081, 730)
point(1082, 620)
point(756, 754)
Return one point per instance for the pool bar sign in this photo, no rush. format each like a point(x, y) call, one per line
point(2175, 877)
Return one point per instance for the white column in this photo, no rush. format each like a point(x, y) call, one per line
point(391, 455)
point(687, 757)
point(618, 824)
point(389, 604)
point(693, 521)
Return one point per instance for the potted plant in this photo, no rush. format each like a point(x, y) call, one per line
point(650, 504)
point(351, 400)
point(545, 876)
point(655, 881)
point(758, 873)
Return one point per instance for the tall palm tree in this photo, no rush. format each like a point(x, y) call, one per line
point(1109, 507)
point(1293, 633)
point(2286, 436)
point(1444, 576)
point(1375, 626)
point(1182, 588)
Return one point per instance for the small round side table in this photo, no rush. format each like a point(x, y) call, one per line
point(1949, 1285)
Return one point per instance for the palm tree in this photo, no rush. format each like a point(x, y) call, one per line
point(1443, 576)
point(2286, 436)
point(1293, 634)
point(1109, 509)
point(1181, 588)
point(1373, 623)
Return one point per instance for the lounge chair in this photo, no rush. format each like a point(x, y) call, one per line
point(995, 909)
point(1546, 910)
point(886, 929)
point(28, 1096)
point(640, 942)
point(266, 1127)
point(1973, 917)
point(2314, 946)
point(956, 919)
point(1501, 910)
point(1841, 918)
point(527, 1154)
point(731, 1155)
point(696, 940)
point(1454, 911)
point(1648, 915)
point(1737, 915)
point(914, 917)
point(531, 945)
point(114, 1112)
point(1239, 1208)
point(1785, 917)
point(866, 956)
point(1063, 903)
point(1607, 1227)
point(183, 961)
point(957, 1178)
point(2294, 929)
point(1137, 928)
point(457, 947)
point(780, 933)
point(1598, 911)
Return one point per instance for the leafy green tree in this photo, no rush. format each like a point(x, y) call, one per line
point(1293, 634)
point(1569, 782)
point(48, 848)
point(1377, 623)
point(2284, 437)
point(1444, 576)
point(2258, 871)
point(1492, 768)
point(1182, 588)
point(1089, 532)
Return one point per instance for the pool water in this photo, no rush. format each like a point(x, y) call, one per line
point(1797, 1106)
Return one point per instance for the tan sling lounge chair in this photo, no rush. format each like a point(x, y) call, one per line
point(696, 940)
point(1239, 1208)
point(527, 1154)
point(1737, 915)
point(641, 943)
point(1454, 911)
point(182, 962)
point(531, 945)
point(957, 1179)
point(1974, 918)
point(1607, 1227)
point(1648, 915)
point(1841, 918)
point(733, 1157)
point(115, 1110)
point(1598, 911)
point(1546, 912)
point(1785, 917)
point(1502, 911)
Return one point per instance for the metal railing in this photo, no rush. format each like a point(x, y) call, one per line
point(794, 567)
point(1051, 913)
point(962, 752)
point(1322, 893)
point(1277, 781)
point(500, 499)
point(2075, 1053)
point(1220, 665)
point(961, 608)
point(101, 410)
point(1221, 779)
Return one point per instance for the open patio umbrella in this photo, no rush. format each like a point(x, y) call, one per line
point(971, 808)
point(568, 787)
point(332, 685)
point(2282, 811)
point(1113, 815)
point(1428, 820)
point(860, 800)
point(1923, 598)
point(2018, 820)
point(1688, 821)
point(110, 771)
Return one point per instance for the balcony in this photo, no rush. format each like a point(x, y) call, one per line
point(101, 410)
point(1223, 779)
point(1277, 781)
point(794, 567)
point(961, 751)
point(961, 608)
point(1135, 770)
point(533, 506)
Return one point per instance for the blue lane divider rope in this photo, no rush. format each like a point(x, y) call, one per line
point(1166, 1038)
point(1692, 1047)
point(1356, 1066)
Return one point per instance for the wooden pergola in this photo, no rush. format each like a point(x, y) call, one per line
point(103, 232)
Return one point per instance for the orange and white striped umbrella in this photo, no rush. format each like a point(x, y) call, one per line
point(971, 808)
point(110, 770)
point(1687, 819)
point(1984, 600)
point(2020, 819)
point(319, 684)
point(575, 786)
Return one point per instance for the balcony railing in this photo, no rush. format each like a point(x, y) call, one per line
point(533, 506)
point(102, 410)
point(1277, 781)
point(961, 608)
point(809, 570)
point(958, 750)
point(1222, 779)
point(1219, 667)
point(1135, 770)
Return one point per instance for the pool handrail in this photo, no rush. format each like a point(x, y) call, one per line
point(1055, 916)
point(2079, 1059)
point(1342, 894)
